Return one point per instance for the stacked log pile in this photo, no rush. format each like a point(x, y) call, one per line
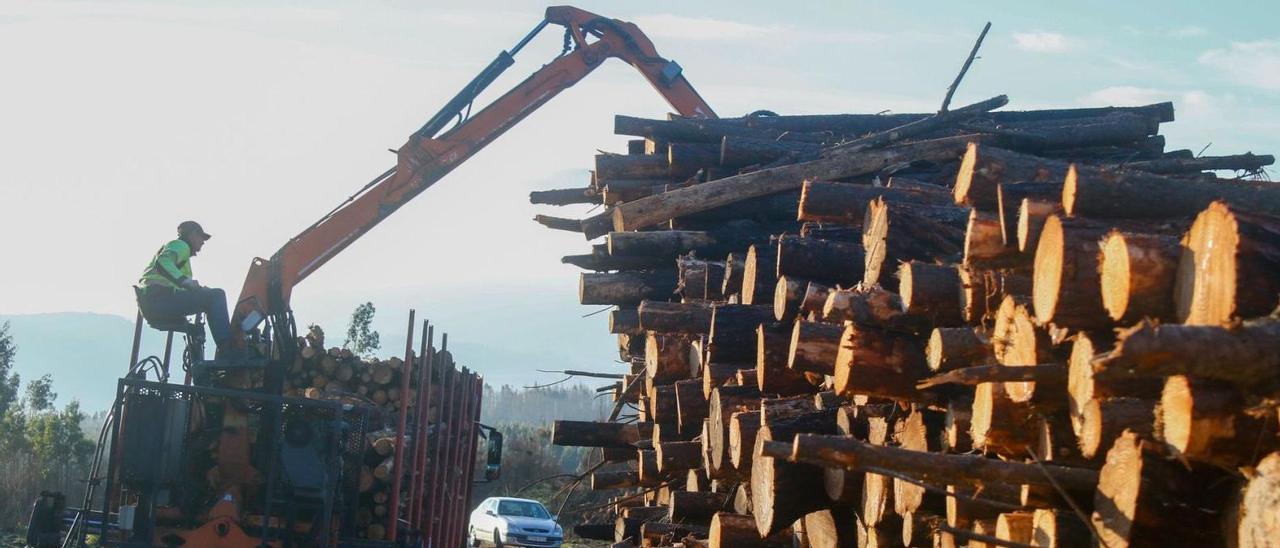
point(420, 444)
point(978, 327)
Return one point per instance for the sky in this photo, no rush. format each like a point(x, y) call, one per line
point(120, 119)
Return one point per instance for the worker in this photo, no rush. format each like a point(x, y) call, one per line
point(169, 291)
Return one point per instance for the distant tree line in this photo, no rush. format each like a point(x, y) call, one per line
point(42, 447)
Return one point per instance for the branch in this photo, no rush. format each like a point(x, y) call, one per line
point(946, 101)
point(593, 374)
point(919, 127)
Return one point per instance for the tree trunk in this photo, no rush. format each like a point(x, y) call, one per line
point(733, 267)
point(1138, 274)
point(759, 273)
point(677, 203)
point(788, 295)
point(835, 527)
point(725, 401)
point(1251, 349)
point(1103, 420)
point(897, 232)
point(1054, 528)
point(668, 317)
point(692, 407)
point(595, 434)
point(1110, 194)
point(696, 506)
point(737, 152)
point(666, 358)
point(625, 288)
point(1012, 196)
point(846, 203)
point(984, 247)
point(564, 196)
point(685, 159)
point(1153, 511)
point(678, 456)
point(631, 166)
point(1248, 161)
point(1032, 214)
point(1260, 506)
point(625, 321)
point(981, 291)
point(773, 345)
point(1205, 420)
point(1229, 266)
point(814, 347)
point(984, 167)
point(871, 306)
point(921, 431)
point(880, 363)
point(781, 491)
point(715, 374)
point(971, 471)
point(951, 348)
point(824, 260)
point(743, 426)
point(730, 530)
point(1001, 425)
point(930, 291)
point(1066, 288)
point(733, 331)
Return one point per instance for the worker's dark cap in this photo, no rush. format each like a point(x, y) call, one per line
point(188, 228)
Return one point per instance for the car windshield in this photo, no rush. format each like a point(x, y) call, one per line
point(524, 509)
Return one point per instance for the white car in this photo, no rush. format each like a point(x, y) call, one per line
point(506, 521)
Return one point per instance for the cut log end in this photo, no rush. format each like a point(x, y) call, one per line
point(1047, 280)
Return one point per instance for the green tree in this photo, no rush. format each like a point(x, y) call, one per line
point(40, 394)
point(9, 380)
point(361, 338)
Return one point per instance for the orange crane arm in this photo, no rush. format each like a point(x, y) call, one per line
point(429, 154)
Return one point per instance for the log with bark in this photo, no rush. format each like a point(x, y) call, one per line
point(1252, 350)
point(878, 362)
point(832, 262)
point(1144, 500)
point(897, 232)
point(1066, 288)
point(1207, 421)
point(846, 203)
point(931, 291)
point(1110, 194)
point(773, 376)
point(814, 347)
point(677, 203)
point(669, 317)
point(625, 288)
point(984, 167)
point(1138, 274)
point(1229, 265)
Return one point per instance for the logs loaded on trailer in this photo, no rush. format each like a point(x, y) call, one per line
point(1023, 328)
point(418, 453)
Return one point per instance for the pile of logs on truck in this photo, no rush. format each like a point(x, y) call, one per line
point(977, 327)
point(420, 449)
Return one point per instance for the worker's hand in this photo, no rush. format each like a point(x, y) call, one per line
point(190, 284)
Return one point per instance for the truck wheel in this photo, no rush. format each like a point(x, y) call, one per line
point(497, 539)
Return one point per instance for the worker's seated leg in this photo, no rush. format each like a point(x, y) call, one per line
point(162, 301)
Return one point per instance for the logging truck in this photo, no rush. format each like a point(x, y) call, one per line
point(245, 456)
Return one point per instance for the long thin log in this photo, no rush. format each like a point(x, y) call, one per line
point(677, 203)
point(1152, 350)
point(1109, 194)
point(976, 375)
point(934, 468)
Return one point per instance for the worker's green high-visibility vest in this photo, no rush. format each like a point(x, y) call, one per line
point(170, 267)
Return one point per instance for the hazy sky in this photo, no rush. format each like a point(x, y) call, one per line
point(119, 119)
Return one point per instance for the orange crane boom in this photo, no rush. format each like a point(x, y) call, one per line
point(430, 154)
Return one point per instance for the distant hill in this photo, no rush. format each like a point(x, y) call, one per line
point(84, 352)
point(506, 335)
